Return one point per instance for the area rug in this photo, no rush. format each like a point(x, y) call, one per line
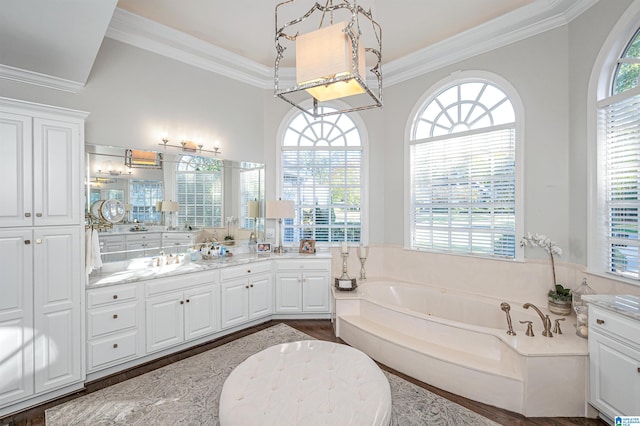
point(187, 392)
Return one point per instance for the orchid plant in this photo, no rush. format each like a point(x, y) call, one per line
point(542, 241)
point(230, 221)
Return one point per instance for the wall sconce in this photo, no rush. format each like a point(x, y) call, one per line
point(107, 169)
point(134, 158)
point(189, 146)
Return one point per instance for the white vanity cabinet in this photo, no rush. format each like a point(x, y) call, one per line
point(143, 244)
point(246, 293)
point(181, 308)
point(114, 331)
point(112, 247)
point(614, 351)
point(302, 286)
point(177, 242)
point(41, 290)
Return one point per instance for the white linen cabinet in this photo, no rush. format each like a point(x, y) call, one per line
point(41, 157)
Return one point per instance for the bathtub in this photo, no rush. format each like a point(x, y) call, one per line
point(458, 342)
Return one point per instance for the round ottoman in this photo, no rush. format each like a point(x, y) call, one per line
point(310, 382)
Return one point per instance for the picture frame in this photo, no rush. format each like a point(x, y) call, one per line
point(263, 248)
point(307, 246)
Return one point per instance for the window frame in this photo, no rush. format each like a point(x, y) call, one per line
point(364, 165)
point(454, 79)
point(599, 95)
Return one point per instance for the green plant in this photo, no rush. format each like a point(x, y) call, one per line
point(561, 293)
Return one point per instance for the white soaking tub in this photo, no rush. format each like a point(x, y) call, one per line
point(458, 342)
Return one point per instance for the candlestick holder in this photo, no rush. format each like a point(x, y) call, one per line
point(363, 251)
point(345, 283)
point(345, 275)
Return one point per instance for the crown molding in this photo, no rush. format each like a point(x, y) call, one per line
point(535, 18)
point(145, 34)
point(30, 77)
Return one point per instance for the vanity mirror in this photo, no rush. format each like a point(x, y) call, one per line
point(206, 190)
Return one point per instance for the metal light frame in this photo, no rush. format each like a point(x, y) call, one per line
point(354, 33)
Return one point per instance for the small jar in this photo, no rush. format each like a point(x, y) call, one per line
point(581, 309)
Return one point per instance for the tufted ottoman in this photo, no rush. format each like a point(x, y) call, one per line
point(310, 382)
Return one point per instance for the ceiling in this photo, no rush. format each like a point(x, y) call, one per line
point(54, 44)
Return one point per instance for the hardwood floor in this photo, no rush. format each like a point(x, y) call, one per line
point(319, 329)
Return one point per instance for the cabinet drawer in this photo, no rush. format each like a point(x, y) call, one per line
point(302, 264)
point(163, 285)
point(137, 238)
point(103, 296)
point(609, 323)
point(246, 270)
point(113, 318)
point(111, 349)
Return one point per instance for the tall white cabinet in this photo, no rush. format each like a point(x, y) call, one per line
point(41, 229)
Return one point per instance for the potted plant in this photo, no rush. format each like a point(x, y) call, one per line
point(559, 296)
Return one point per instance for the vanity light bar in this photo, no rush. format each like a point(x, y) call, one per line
point(135, 158)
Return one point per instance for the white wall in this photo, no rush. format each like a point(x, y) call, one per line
point(133, 95)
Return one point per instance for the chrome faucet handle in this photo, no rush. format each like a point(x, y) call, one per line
point(529, 328)
point(556, 328)
point(547, 327)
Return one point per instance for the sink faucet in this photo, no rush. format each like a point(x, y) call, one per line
point(546, 321)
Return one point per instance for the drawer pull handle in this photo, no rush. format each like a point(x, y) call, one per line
point(115, 296)
point(638, 369)
point(251, 285)
point(188, 300)
point(248, 271)
point(27, 215)
point(115, 316)
point(38, 214)
point(182, 302)
point(599, 321)
point(27, 242)
point(115, 346)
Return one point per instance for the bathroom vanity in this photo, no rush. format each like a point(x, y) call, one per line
point(137, 311)
point(614, 351)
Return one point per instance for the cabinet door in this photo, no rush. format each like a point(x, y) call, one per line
point(56, 172)
point(135, 248)
point(315, 292)
point(57, 302)
point(234, 302)
point(16, 315)
point(165, 322)
point(614, 376)
point(260, 296)
point(201, 316)
point(15, 170)
point(288, 293)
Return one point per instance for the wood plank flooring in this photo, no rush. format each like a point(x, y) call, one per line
point(320, 329)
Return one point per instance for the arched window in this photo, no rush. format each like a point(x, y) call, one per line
point(199, 183)
point(618, 157)
point(321, 171)
point(462, 158)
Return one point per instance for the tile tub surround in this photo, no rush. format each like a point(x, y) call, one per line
point(509, 280)
point(535, 376)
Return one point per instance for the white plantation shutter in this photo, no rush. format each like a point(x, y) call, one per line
point(463, 173)
point(620, 121)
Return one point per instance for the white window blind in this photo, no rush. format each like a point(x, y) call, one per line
point(144, 196)
point(463, 192)
point(321, 168)
point(621, 123)
point(251, 189)
point(199, 183)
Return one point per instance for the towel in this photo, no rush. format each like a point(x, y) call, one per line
point(92, 250)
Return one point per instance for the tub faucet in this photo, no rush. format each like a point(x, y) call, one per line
point(546, 321)
point(505, 307)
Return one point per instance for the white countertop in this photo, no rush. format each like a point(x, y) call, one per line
point(623, 304)
point(141, 269)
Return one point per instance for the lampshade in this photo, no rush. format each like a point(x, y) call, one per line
point(169, 206)
point(128, 207)
point(326, 53)
point(253, 208)
point(280, 209)
point(189, 146)
point(158, 206)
